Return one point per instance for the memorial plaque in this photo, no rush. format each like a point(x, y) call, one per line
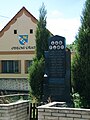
point(57, 69)
point(57, 57)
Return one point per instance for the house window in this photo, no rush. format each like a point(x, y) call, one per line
point(10, 66)
point(27, 65)
point(15, 31)
point(31, 31)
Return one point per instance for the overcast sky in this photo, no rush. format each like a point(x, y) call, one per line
point(63, 16)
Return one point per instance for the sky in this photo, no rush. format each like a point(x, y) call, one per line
point(63, 16)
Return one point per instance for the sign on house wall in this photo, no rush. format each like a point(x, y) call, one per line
point(23, 42)
point(23, 39)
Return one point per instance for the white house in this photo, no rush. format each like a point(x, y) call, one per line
point(17, 49)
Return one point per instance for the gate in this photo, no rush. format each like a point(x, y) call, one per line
point(33, 111)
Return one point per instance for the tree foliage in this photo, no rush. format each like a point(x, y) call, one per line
point(36, 71)
point(42, 34)
point(72, 46)
point(81, 62)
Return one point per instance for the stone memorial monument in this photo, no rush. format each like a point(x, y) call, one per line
point(56, 86)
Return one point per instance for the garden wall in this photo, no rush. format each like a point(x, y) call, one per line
point(51, 111)
point(15, 111)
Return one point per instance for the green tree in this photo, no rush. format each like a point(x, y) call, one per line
point(36, 71)
point(81, 62)
point(42, 34)
point(72, 47)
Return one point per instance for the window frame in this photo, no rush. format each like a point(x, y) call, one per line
point(31, 31)
point(27, 65)
point(15, 31)
point(10, 67)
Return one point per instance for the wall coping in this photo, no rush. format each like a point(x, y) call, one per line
point(50, 106)
point(14, 103)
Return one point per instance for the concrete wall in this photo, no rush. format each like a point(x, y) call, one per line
point(14, 111)
point(14, 84)
point(50, 112)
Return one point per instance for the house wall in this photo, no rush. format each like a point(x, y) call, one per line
point(23, 25)
point(11, 49)
point(17, 56)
